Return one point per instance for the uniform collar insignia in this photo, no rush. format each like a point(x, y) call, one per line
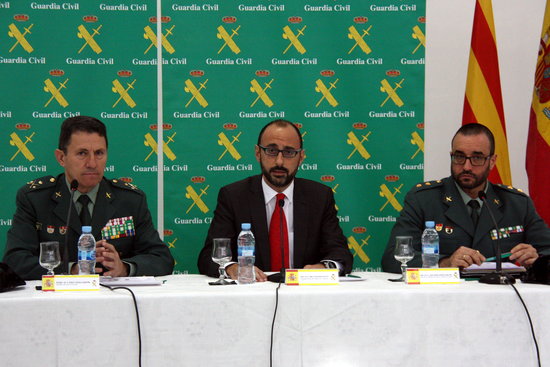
point(57, 194)
point(448, 199)
point(496, 201)
point(108, 195)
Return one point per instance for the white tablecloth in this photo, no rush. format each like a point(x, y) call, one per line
point(185, 322)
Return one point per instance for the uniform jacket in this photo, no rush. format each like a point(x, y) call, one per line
point(41, 215)
point(317, 233)
point(441, 202)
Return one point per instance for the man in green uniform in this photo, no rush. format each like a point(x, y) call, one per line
point(43, 204)
point(462, 220)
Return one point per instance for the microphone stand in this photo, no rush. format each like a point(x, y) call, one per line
point(65, 265)
point(496, 277)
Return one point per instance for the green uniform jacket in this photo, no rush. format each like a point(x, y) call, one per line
point(441, 202)
point(41, 215)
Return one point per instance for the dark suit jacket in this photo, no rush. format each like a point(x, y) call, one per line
point(317, 233)
point(41, 214)
point(441, 202)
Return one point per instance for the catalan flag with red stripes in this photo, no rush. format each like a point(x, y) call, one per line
point(483, 100)
point(538, 143)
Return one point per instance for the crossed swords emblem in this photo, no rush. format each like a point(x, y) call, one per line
point(294, 39)
point(89, 38)
point(192, 194)
point(151, 36)
point(320, 87)
point(358, 248)
point(391, 92)
point(417, 140)
point(55, 92)
point(21, 146)
point(257, 88)
point(152, 143)
point(123, 92)
point(418, 35)
point(228, 39)
point(359, 39)
point(229, 147)
point(358, 144)
point(195, 92)
point(385, 192)
point(14, 32)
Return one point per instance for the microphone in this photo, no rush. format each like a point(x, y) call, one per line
point(280, 277)
point(65, 266)
point(496, 277)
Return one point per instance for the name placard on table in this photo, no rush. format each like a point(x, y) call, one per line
point(66, 283)
point(311, 277)
point(432, 276)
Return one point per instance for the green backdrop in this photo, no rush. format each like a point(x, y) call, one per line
point(349, 73)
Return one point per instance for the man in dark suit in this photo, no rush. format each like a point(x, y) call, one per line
point(466, 231)
point(315, 239)
point(43, 204)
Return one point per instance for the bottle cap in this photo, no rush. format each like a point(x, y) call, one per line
point(430, 224)
point(245, 226)
point(86, 229)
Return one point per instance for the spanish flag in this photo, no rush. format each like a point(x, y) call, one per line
point(483, 100)
point(538, 143)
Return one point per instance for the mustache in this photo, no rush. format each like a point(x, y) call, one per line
point(278, 169)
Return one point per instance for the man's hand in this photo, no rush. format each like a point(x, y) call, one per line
point(524, 254)
point(315, 266)
point(107, 255)
point(233, 269)
point(462, 258)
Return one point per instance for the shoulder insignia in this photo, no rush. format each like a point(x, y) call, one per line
point(125, 185)
point(510, 189)
point(428, 184)
point(41, 182)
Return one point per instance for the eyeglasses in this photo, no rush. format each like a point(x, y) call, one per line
point(475, 160)
point(273, 152)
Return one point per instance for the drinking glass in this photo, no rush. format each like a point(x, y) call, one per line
point(221, 255)
point(49, 256)
point(403, 253)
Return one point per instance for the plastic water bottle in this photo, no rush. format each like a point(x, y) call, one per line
point(86, 252)
point(245, 248)
point(430, 246)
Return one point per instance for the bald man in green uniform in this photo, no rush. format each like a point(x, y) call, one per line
point(466, 231)
point(43, 204)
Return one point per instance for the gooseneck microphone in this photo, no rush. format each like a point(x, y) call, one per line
point(496, 277)
point(65, 267)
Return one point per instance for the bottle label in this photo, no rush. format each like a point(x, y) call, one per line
point(86, 255)
point(246, 251)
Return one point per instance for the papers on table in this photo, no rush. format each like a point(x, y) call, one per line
point(126, 281)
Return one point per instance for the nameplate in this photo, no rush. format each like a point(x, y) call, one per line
point(433, 276)
point(66, 283)
point(311, 277)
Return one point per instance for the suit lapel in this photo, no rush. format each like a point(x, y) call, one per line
point(300, 224)
point(485, 224)
point(259, 222)
point(103, 208)
point(456, 209)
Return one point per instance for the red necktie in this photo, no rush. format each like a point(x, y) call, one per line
point(275, 235)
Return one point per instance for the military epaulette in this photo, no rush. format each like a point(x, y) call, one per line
point(41, 183)
point(510, 189)
point(428, 185)
point(125, 185)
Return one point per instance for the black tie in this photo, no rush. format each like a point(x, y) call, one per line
point(474, 204)
point(85, 217)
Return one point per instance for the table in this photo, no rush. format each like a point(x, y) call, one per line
point(185, 322)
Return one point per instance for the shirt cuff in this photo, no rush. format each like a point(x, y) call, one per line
point(331, 264)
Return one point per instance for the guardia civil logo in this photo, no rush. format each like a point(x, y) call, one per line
point(293, 35)
point(228, 39)
point(195, 90)
point(326, 91)
point(149, 34)
point(89, 36)
point(357, 144)
point(359, 38)
point(356, 248)
point(196, 198)
point(20, 33)
point(124, 91)
point(229, 145)
point(151, 142)
point(55, 91)
point(22, 146)
point(389, 195)
point(261, 91)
